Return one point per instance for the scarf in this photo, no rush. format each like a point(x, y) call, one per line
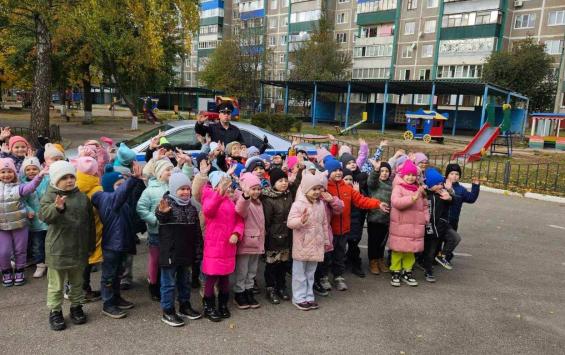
point(409, 187)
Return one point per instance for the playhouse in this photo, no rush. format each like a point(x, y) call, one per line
point(546, 131)
point(425, 125)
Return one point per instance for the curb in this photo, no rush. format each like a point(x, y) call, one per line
point(535, 196)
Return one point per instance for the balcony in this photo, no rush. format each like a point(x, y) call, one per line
point(367, 6)
point(211, 21)
point(477, 31)
point(374, 18)
point(307, 26)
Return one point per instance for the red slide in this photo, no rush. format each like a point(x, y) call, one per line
point(481, 142)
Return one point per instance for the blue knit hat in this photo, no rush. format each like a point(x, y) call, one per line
point(215, 177)
point(332, 165)
point(109, 178)
point(433, 177)
point(125, 155)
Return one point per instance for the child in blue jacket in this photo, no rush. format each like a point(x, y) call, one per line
point(453, 174)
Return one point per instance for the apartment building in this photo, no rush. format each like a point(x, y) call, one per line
point(388, 39)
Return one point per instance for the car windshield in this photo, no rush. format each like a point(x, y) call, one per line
point(147, 135)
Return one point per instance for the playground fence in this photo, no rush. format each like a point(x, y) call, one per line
point(54, 134)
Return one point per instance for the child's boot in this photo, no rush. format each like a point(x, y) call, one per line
point(171, 318)
point(283, 294)
point(7, 278)
point(395, 279)
point(240, 300)
point(251, 299)
point(186, 310)
point(374, 266)
point(382, 265)
point(210, 309)
point(77, 315)
point(40, 270)
point(272, 295)
point(223, 310)
point(19, 277)
point(154, 292)
point(56, 320)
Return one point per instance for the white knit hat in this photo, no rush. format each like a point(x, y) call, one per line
point(59, 169)
point(52, 152)
point(30, 161)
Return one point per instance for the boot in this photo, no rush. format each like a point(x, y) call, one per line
point(56, 320)
point(272, 295)
point(77, 315)
point(223, 310)
point(209, 304)
point(382, 265)
point(154, 292)
point(40, 270)
point(374, 266)
point(251, 299)
point(240, 300)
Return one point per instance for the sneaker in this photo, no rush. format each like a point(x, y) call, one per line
point(7, 278)
point(186, 310)
point(358, 271)
point(56, 320)
point(395, 279)
point(19, 277)
point(125, 285)
point(283, 294)
point(303, 306)
point(253, 303)
point(171, 318)
point(430, 277)
point(113, 312)
point(319, 290)
point(314, 305)
point(40, 270)
point(77, 315)
point(443, 262)
point(374, 267)
point(91, 296)
point(272, 295)
point(340, 284)
point(123, 304)
point(408, 279)
point(325, 283)
point(240, 300)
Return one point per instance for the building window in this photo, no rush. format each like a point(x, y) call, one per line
point(385, 30)
point(427, 50)
point(370, 73)
point(374, 6)
point(430, 26)
point(272, 41)
point(424, 74)
point(284, 21)
point(525, 21)
point(273, 5)
point(409, 28)
point(459, 71)
point(273, 22)
point(282, 40)
point(341, 37)
point(554, 46)
point(412, 5)
point(556, 18)
point(380, 50)
point(341, 18)
point(404, 74)
point(281, 58)
point(342, 1)
point(407, 51)
point(432, 4)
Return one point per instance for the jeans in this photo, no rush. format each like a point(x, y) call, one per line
point(127, 267)
point(56, 283)
point(153, 239)
point(38, 246)
point(13, 242)
point(111, 272)
point(402, 261)
point(378, 235)
point(245, 272)
point(275, 275)
point(171, 277)
point(303, 281)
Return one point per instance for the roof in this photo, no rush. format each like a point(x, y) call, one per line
point(426, 114)
point(190, 90)
point(371, 86)
point(547, 115)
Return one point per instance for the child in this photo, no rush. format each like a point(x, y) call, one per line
point(148, 202)
point(92, 148)
point(380, 187)
point(224, 228)
point(71, 237)
point(124, 159)
point(257, 167)
point(277, 201)
point(18, 148)
point(461, 194)
point(408, 218)
point(13, 223)
point(309, 222)
point(179, 235)
point(249, 207)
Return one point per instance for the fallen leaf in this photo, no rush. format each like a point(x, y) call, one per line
point(232, 326)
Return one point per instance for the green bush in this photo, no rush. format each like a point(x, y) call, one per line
point(260, 119)
point(276, 122)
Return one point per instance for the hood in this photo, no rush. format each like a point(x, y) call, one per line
point(87, 183)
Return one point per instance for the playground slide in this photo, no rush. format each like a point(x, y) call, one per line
point(482, 141)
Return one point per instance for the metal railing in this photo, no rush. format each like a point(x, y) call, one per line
point(54, 134)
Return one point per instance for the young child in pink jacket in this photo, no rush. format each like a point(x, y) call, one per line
point(248, 205)
point(310, 224)
point(224, 228)
point(408, 218)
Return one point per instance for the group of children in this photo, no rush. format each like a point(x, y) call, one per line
point(220, 213)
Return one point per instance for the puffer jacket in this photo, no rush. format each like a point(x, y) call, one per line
point(276, 207)
point(381, 190)
point(462, 195)
point(148, 201)
point(13, 214)
point(71, 236)
point(408, 220)
point(115, 210)
point(251, 211)
point(179, 234)
point(89, 185)
point(221, 222)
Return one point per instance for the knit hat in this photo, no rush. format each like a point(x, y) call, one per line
point(15, 139)
point(275, 175)
point(311, 180)
point(408, 168)
point(88, 150)
point(52, 152)
point(160, 167)
point(59, 147)
point(238, 169)
point(230, 146)
point(177, 180)
point(213, 146)
point(248, 180)
point(347, 172)
point(452, 167)
point(309, 166)
point(215, 177)
point(87, 165)
point(291, 162)
point(164, 141)
point(399, 161)
point(253, 163)
point(30, 161)
point(332, 165)
point(109, 178)
point(252, 151)
point(265, 157)
point(343, 150)
point(59, 169)
point(433, 177)
point(346, 158)
point(125, 155)
point(301, 151)
point(8, 163)
point(420, 157)
point(385, 165)
point(321, 153)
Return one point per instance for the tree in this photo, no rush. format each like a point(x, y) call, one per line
point(527, 70)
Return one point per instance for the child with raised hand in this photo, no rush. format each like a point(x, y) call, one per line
point(248, 205)
point(224, 228)
point(13, 224)
point(309, 221)
point(179, 236)
point(408, 218)
point(17, 150)
point(461, 194)
point(71, 237)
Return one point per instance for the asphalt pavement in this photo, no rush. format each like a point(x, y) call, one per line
point(504, 296)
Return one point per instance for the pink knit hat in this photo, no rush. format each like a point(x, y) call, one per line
point(15, 139)
point(88, 150)
point(7, 163)
point(309, 181)
point(248, 180)
point(408, 168)
point(420, 157)
point(87, 165)
point(321, 153)
point(291, 161)
point(344, 149)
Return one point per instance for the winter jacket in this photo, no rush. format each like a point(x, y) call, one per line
point(309, 240)
point(462, 195)
point(89, 185)
point(439, 215)
point(115, 210)
point(251, 211)
point(179, 234)
point(341, 224)
point(221, 222)
point(276, 207)
point(71, 236)
point(408, 220)
point(13, 214)
point(381, 190)
point(367, 167)
point(148, 201)
point(218, 133)
point(358, 214)
point(31, 203)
